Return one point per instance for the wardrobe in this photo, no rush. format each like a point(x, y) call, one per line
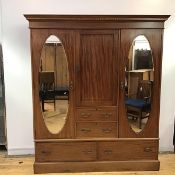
point(102, 131)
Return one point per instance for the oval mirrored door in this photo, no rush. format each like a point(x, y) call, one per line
point(54, 82)
point(139, 79)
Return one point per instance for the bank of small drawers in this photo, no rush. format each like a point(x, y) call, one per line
point(122, 150)
point(96, 122)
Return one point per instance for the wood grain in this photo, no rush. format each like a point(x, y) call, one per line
point(68, 151)
point(96, 21)
point(105, 166)
point(96, 129)
point(93, 114)
point(96, 70)
point(128, 150)
point(38, 38)
point(97, 47)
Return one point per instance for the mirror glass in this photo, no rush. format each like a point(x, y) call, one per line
point(53, 83)
point(139, 79)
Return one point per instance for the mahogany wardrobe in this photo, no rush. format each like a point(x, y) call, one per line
point(96, 91)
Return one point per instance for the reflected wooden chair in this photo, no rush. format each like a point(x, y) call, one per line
point(47, 88)
point(140, 107)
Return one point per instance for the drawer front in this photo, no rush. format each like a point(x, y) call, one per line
point(105, 114)
point(96, 129)
point(74, 151)
point(128, 150)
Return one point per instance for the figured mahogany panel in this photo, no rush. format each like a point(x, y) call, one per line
point(96, 65)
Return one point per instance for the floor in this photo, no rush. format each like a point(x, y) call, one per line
point(135, 126)
point(23, 165)
point(55, 118)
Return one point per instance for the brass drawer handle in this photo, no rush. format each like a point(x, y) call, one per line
point(87, 152)
point(106, 115)
point(108, 151)
point(147, 149)
point(92, 109)
point(85, 115)
point(106, 130)
point(86, 130)
point(45, 152)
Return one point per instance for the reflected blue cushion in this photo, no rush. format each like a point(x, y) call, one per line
point(139, 103)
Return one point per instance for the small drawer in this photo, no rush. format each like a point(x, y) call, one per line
point(97, 114)
point(128, 150)
point(96, 129)
point(67, 151)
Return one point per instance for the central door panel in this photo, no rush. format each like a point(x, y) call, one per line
point(97, 68)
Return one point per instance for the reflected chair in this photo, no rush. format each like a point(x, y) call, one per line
point(47, 87)
point(140, 107)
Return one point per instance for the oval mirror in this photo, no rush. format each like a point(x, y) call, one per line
point(53, 83)
point(139, 79)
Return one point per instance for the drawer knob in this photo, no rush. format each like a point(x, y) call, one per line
point(108, 151)
point(148, 149)
point(86, 130)
point(106, 130)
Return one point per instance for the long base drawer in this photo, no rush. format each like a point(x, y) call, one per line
point(128, 150)
point(66, 151)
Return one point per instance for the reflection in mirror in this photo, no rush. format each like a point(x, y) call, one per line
point(54, 82)
point(139, 79)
